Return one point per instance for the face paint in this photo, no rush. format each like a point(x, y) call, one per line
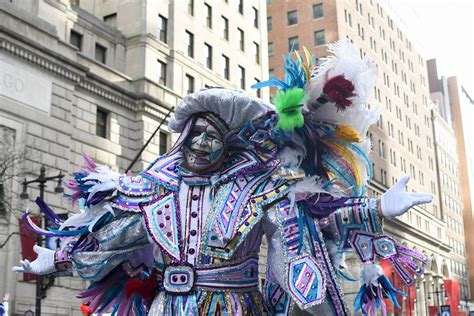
point(204, 147)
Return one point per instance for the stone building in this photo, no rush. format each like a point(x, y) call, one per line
point(98, 77)
point(403, 139)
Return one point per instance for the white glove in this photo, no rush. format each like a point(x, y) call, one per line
point(396, 201)
point(43, 264)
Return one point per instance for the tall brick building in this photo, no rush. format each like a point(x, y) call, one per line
point(403, 139)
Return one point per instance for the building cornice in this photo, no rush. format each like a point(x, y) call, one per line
point(94, 88)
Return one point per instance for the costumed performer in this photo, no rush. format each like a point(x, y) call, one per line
point(183, 237)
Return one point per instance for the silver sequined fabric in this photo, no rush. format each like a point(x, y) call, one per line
point(116, 241)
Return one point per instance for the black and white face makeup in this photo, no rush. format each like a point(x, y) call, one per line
point(204, 147)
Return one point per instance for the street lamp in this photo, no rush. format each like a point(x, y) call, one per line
point(436, 293)
point(42, 180)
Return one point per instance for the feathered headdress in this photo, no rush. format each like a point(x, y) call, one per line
point(325, 109)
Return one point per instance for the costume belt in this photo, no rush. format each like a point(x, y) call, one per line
point(241, 276)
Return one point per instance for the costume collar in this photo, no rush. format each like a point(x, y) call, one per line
point(168, 172)
point(165, 171)
point(190, 178)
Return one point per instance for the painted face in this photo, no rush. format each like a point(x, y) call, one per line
point(204, 147)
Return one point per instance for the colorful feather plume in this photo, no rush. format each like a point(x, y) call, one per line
point(93, 183)
point(358, 74)
point(121, 294)
point(288, 105)
point(375, 287)
point(291, 96)
point(297, 73)
point(341, 162)
point(348, 133)
point(334, 117)
point(339, 90)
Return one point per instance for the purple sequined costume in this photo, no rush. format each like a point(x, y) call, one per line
point(171, 242)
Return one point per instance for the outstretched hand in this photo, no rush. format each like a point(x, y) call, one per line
point(397, 201)
point(43, 264)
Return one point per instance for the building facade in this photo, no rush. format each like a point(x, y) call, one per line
point(463, 110)
point(450, 164)
point(99, 77)
point(403, 140)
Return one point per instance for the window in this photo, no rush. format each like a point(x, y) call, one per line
point(257, 52)
point(269, 23)
point(393, 157)
point(292, 17)
point(318, 11)
point(101, 123)
point(242, 77)
point(162, 73)
point(111, 20)
point(403, 164)
point(163, 29)
point(293, 43)
point(163, 143)
point(191, 7)
point(225, 23)
point(360, 9)
point(381, 149)
point(348, 18)
point(241, 6)
point(190, 84)
point(360, 31)
point(75, 40)
point(208, 10)
point(226, 67)
point(241, 39)
point(208, 54)
point(190, 43)
point(270, 50)
point(259, 91)
point(319, 38)
point(100, 53)
point(255, 17)
point(383, 176)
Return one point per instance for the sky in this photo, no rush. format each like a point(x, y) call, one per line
point(442, 29)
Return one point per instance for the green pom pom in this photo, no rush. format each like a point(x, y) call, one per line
point(289, 105)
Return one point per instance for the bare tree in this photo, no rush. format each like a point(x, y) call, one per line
point(14, 166)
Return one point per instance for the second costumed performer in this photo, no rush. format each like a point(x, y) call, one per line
point(182, 238)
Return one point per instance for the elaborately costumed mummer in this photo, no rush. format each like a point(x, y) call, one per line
point(183, 237)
